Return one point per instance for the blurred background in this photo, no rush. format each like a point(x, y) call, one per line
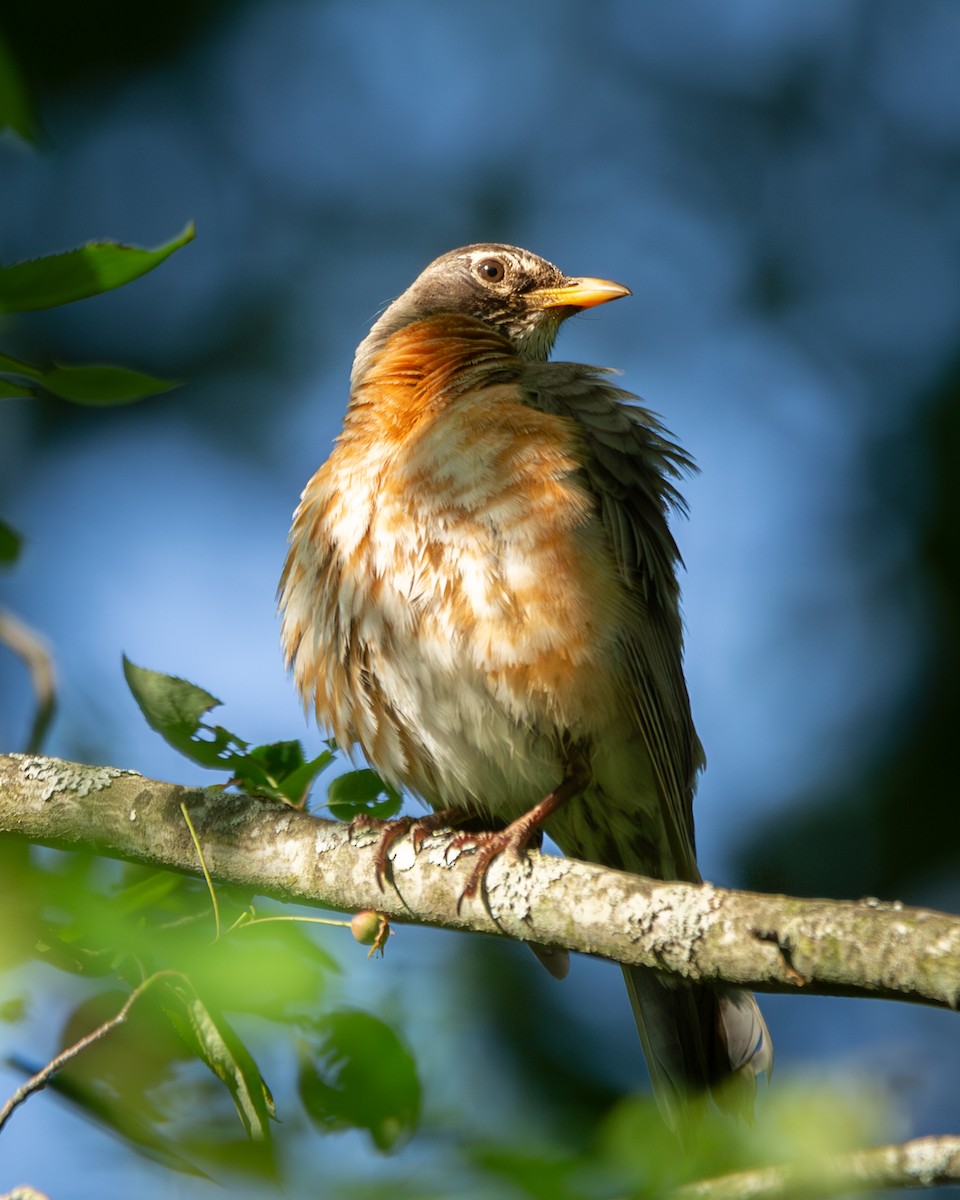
point(778, 183)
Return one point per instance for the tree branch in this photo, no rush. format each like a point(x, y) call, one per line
point(925, 1162)
point(764, 942)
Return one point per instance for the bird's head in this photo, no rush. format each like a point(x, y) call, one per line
point(518, 294)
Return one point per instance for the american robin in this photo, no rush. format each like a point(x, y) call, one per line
point(481, 590)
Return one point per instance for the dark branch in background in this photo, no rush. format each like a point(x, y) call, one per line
point(767, 943)
point(30, 648)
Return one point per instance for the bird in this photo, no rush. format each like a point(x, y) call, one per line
point(481, 592)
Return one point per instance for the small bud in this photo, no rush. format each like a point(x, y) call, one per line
point(365, 926)
point(370, 929)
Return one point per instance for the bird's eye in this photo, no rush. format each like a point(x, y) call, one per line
point(491, 270)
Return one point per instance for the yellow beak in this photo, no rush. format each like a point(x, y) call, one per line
point(578, 293)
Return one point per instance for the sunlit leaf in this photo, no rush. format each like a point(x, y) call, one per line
point(798, 1123)
point(362, 792)
point(170, 704)
point(296, 785)
point(87, 271)
point(261, 768)
point(360, 1075)
point(548, 1175)
point(275, 969)
point(173, 707)
point(213, 1040)
point(279, 769)
point(147, 892)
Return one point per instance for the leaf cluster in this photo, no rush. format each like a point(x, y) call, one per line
point(176, 708)
point(56, 279)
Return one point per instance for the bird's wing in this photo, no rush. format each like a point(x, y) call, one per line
point(631, 465)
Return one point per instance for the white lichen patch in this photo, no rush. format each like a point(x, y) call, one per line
point(924, 1161)
point(671, 919)
point(513, 886)
point(329, 838)
point(60, 776)
point(402, 855)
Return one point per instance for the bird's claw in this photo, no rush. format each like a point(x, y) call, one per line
point(489, 845)
point(391, 830)
point(518, 834)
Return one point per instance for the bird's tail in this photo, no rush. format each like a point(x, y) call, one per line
point(698, 1038)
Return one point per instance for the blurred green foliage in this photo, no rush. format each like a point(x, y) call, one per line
point(10, 543)
point(117, 926)
point(164, 1081)
point(16, 104)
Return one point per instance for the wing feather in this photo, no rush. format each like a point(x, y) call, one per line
point(631, 465)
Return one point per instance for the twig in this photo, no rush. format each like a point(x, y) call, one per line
point(203, 867)
point(39, 1081)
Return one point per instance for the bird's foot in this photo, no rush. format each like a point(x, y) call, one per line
point(392, 830)
point(516, 837)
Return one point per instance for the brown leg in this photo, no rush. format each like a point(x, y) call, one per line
point(516, 837)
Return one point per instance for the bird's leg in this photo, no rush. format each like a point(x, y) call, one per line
point(517, 835)
point(392, 830)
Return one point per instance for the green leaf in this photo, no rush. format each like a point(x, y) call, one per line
point(296, 785)
point(547, 1175)
point(16, 107)
point(362, 792)
point(13, 1009)
point(173, 707)
point(101, 385)
point(278, 769)
point(13, 391)
point(216, 1043)
point(277, 970)
point(150, 890)
point(88, 384)
point(10, 544)
point(87, 271)
point(16, 366)
point(265, 766)
point(360, 1075)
